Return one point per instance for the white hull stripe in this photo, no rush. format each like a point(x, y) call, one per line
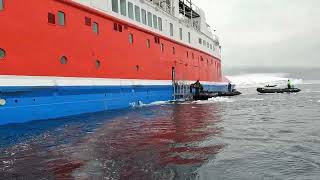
point(11, 81)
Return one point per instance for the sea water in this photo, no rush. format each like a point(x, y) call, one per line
point(252, 136)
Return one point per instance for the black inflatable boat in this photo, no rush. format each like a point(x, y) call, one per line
point(278, 90)
point(208, 95)
point(233, 93)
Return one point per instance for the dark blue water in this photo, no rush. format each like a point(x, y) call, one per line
point(247, 137)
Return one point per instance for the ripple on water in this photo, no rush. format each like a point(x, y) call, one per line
point(243, 139)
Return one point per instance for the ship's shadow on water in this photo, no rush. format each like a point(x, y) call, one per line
point(156, 142)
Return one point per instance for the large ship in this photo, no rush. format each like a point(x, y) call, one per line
point(66, 57)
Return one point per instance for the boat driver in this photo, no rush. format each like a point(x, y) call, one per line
point(289, 84)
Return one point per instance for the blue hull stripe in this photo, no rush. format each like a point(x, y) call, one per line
point(35, 103)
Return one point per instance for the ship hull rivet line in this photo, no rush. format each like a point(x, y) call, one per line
point(2, 102)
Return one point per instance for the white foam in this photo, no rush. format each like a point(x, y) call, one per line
point(159, 103)
point(215, 100)
point(141, 104)
point(255, 99)
point(261, 79)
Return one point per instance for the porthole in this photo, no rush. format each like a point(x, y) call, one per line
point(137, 67)
point(98, 64)
point(131, 38)
point(63, 60)
point(148, 43)
point(2, 54)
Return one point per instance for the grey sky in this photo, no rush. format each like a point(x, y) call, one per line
point(266, 32)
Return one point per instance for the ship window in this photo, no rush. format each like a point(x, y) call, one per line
point(189, 37)
point(173, 50)
point(144, 16)
point(95, 27)
point(98, 64)
point(123, 7)
point(180, 32)
point(207, 45)
point(137, 13)
point(149, 19)
point(61, 18)
point(192, 56)
point(160, 23)
point(63, 60)
point(2, 54)
point(130, 10)
point(157, 40)
point(119, 27)
point(155, 21)
point(171, 29)
point(187, 54)
point(204, 42)
point(115, 26)
point(115, 6)
point(200, 41)
point(210, 46)
point(51, 18)
point(162, 47)
point(1, 5)
point(87, 21)
point(131, 38)
point(148, 43)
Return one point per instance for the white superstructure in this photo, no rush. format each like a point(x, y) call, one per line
point(180, 20)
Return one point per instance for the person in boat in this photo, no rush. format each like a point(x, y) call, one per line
point(198, 87)
point(289, 84)
point(229, 87)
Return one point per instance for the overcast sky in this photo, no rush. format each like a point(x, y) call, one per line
point(266, 32)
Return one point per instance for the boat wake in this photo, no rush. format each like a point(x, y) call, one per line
point(215, 100)
point(262, 79)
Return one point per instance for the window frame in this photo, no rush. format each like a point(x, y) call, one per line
point(115, 6)
point(149, 19)
point(87, 21)
point(51, 18)
point(181, 34)
point(160, 24)
point(148, 43)
point(189, 37)
point(63, 22)
point(130, 10)
point(95, 27)
point(171, 30)
point(131, 40)
point(123, 7)
point(2, 5)
point(155, 21)
point(137, 14)
point(144, 16)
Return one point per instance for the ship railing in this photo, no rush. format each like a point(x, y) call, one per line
point(181, 91)
point(165, 5)
point(190, 23)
